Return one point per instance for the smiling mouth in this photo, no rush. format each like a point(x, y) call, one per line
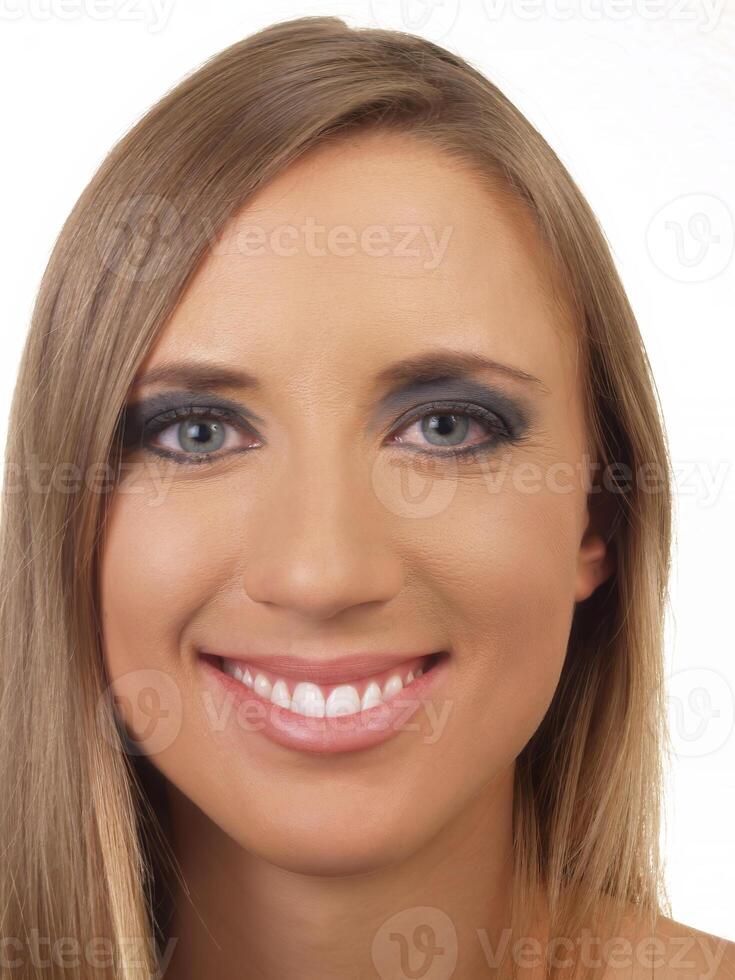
point(308, 699)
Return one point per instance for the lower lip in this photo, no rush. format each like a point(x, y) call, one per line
point(343, 733)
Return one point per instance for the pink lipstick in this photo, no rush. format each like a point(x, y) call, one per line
point(326, 706)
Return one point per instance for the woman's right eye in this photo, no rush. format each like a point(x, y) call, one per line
point(196, 435)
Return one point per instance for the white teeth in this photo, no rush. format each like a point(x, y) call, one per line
point(343, 700)
point(392, 686)
point(371, 697)
point(308, 700)
point(262, 686)
point(280, 695)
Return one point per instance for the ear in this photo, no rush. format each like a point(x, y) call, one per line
point(596, 561)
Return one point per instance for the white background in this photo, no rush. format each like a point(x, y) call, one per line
point(636, 97)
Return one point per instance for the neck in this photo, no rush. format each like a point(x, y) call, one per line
point(246, 916)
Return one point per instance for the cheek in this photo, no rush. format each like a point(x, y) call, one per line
point(160, 563)
point(507, 579)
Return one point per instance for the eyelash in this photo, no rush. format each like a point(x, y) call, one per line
point(500, 431)
point(165, 420)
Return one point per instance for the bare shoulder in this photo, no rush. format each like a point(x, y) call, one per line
point(675, 951)
point(693, 954)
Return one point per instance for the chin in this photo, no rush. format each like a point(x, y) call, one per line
point(332, 848)
point(322, 858)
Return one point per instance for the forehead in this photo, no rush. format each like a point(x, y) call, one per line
point(365, 251)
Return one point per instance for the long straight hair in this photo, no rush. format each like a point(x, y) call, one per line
point(80, 832)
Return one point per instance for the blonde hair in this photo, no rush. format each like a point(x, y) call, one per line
point(79, 830)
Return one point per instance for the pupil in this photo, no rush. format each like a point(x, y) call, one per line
point(198, 432)
point(198, 435)
point(450, 429)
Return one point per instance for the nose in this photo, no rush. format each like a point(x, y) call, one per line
point(321, 545)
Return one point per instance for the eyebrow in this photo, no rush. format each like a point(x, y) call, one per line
point(198, 376)
point(426, 367)
point(444, 364)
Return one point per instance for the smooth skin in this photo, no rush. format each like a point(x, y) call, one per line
point(328, 537)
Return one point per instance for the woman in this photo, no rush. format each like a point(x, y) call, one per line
point(341, 636)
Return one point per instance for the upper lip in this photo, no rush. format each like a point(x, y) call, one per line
point(325, 671)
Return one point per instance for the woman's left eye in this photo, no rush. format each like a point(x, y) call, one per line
point(450, 428)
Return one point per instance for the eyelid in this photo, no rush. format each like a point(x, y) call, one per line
point(162, 420)
point(514, 410)
point(482, 412)
point(148, 416)
point(144, 419)
point(163, 401)
point(160, 424)
point(498, 432)
point(517, 411)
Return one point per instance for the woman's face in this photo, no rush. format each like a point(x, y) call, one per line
point(326, 516)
